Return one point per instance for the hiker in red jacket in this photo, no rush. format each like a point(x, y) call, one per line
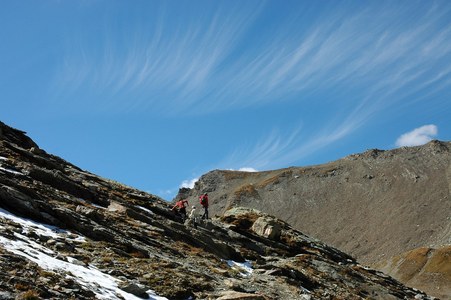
point(180, 207)
point(203, 199)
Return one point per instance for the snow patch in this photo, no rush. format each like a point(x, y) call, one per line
point(97, 206)
point(146, 210)
point(103, 285)
point(11, 171)
point(90, 203)
point(244, 268)
point(29, 225)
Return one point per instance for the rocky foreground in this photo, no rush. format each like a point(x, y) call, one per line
point(68, 234)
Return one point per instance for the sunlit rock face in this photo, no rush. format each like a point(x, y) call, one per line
point(66, 233)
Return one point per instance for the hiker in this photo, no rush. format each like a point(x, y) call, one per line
point(204, 202)
point(180, 208)
point(192, 217)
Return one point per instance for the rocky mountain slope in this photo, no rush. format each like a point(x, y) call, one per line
point(424, 268)
point(374, 205)
point(68, 234)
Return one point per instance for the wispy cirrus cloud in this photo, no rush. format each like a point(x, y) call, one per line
point(380, 62)
point(262, 154)
point(285, 148)
point(377, 57)
point(359, 54)
point(166, 63)
point(206, 60)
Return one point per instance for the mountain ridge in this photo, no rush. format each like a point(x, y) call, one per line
point(70, 234)
point(374, 205)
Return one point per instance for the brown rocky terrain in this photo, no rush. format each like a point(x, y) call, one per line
point(66, 233)
point(374, 205)
point(424, 268)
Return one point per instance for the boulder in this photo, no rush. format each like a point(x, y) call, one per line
point(267, 227)
point(136, 289)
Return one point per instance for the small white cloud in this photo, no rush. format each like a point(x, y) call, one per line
point(189, 183)
point(247, 169)
point(418, 136)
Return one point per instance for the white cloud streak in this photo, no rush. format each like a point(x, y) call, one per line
point(380, 55)
point(247, 169)
point(261, 155)
point(382, 65)
point(165, 64)
point(418, 136)
point(193, 63)
point(282, 149)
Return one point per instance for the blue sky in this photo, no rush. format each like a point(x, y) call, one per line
point(156, 93)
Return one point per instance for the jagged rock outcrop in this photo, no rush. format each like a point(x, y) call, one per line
point(68, 234)
point(373, 205)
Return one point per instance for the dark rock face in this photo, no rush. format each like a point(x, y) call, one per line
point(68, 234)
point(16, 137)
point(373, 205)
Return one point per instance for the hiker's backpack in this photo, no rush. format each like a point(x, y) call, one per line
point(203, 201)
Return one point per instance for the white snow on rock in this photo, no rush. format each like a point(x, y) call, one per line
point(103, 285)
point(29, 225)
point(244, 268)
point(90, 203)
point(8, 170)
point(146, 210)
point(11, 171)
